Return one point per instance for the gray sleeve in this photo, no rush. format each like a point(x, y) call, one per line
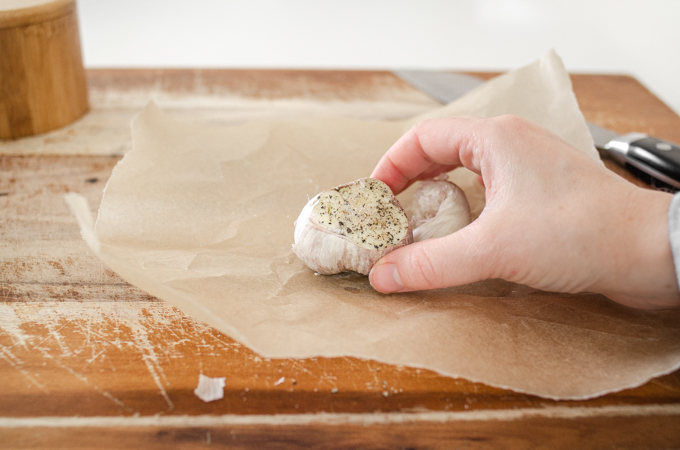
point(674, 232)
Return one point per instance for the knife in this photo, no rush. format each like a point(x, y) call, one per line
point(654, 160)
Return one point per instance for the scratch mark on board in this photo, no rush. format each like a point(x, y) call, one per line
point(76, 336)
point(16, 364)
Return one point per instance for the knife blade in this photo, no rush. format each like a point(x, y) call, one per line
point(654, 160)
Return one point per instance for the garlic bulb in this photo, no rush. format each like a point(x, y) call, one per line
point(350, 227)
point(439, 209)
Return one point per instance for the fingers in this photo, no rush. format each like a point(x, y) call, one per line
point(434, 263)
point(429, 148)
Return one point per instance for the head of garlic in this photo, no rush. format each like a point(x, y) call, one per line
point(350, 227)
point(439, 209)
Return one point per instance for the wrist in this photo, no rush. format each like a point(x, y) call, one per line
point(644, 274)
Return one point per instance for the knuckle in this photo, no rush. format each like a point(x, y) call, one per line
point(510, 122)
point(423, 273)
point(420, 127)
point(509, 119)
point(491, 250)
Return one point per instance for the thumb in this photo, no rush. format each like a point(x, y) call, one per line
point(456, 259)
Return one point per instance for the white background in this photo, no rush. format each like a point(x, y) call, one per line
point(634, 37)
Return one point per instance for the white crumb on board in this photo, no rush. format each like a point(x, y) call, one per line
point(281, 380)
point(210, 389)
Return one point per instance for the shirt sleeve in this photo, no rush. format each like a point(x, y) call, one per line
point(674, 232)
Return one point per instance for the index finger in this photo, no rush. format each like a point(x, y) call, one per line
point(426, 150)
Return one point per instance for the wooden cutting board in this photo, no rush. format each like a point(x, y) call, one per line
point(89, 360)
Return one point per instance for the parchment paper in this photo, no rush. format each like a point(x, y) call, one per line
point(202, 217)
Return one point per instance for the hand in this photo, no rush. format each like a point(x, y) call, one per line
point(554, 219)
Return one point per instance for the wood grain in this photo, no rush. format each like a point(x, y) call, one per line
point(42, 80)
point(78, 343)
point(538, 433)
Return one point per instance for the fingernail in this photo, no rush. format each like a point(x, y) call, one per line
point(385, 278)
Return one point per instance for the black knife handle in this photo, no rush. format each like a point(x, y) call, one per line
point(661, 158)
point(654, 160)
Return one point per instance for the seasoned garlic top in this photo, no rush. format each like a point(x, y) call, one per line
point(365, 212)
point(350, 227)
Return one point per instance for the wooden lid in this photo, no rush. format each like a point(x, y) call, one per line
point(19, 13)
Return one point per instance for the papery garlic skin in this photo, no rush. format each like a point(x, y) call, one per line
point(439, 209)
point(350, 227)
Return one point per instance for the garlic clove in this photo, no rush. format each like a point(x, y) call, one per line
point(439, 209)
point(350, 227)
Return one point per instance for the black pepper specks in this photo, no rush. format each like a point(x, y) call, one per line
point(365, 212)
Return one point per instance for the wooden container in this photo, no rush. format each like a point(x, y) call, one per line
point(42, 79)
